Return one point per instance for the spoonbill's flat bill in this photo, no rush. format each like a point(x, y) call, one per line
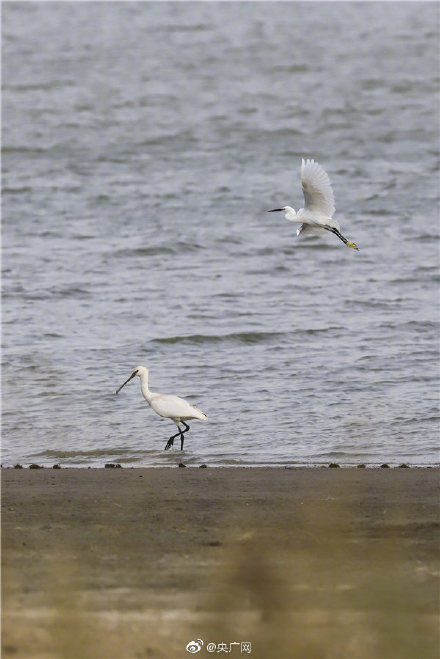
point(317, 216)
point(168, 406)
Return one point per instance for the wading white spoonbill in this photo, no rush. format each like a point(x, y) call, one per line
point(170, 407)
point(317, 216)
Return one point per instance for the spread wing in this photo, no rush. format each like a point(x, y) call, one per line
point(317, 189)
point(310, 230)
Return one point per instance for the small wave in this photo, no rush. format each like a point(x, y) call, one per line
point(366, 357)
point(11, 191)
point(307, 243)
point(371, 84)
point(157, 250)
point(198, 27)
point(425, 237)
point(291, 68)
point(36, 151)
point(54, 453)
point(144, 251)
point(184, 136)
point(316, 330)
point(280, 133)
point(434, 324)
point(333, 454)
point(69, 291)
point(240, 337)
point(45, 86)
point(380, 210)
point(429, 268)
point(402, 88)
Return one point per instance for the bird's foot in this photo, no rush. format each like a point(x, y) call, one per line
point(353, 245)
point(169, 443)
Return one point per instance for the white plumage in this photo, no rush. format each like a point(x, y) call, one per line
point(317, 215)
point(168, 406)
point(317, 189)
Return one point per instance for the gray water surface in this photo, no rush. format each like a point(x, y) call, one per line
point(142, 145)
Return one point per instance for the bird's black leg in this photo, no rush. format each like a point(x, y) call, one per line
point(337, 233)
point(170, 442)
point(340, 236)
point(182, 438)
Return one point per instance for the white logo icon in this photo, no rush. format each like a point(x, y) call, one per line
point(194, 646)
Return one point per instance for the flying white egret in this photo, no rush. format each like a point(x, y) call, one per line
point(170, 407)
point(317, 216)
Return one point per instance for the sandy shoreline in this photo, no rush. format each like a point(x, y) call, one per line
point(138, 562)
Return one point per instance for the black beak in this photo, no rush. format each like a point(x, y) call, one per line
point(274, 210)
point(123, 385)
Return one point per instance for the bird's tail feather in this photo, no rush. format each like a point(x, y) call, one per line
point(200, 415)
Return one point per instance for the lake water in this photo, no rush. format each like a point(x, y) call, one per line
point(142, 145)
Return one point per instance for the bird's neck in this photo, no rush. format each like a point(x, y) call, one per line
point(290, 214)
point(146, 393)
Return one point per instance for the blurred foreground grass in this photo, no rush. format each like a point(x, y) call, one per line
point(338, 592)
point(321, 584)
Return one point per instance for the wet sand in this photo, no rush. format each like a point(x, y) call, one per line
point(122, 563)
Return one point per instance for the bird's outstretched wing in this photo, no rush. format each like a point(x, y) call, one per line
point(317, 189)
point(310, 230)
